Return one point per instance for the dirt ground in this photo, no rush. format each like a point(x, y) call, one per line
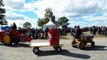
point(22, 51)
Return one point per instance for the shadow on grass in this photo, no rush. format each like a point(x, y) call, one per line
point(63, 52)
point(96, 48)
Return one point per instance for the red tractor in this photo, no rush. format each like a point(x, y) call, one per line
point(13, 36)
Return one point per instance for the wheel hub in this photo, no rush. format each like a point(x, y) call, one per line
point(7, 39)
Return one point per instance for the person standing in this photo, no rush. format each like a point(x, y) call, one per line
point(94, 30)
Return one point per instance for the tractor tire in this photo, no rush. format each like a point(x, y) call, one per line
point(7, 40)
point(82, 44)
point(74, 44)
point(93, 44)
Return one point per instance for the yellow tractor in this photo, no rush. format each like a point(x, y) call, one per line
point(82, 41)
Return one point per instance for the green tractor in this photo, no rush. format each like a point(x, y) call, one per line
point(82, 41)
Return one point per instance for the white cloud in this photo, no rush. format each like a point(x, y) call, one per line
point(19, 19)
point(18, 5)
point(29, 7)
point(73, 7)
point(76, 23)
point(69, 8)
point(20, 23)
point(14, 4)
point(95, 18)
point(14, 16)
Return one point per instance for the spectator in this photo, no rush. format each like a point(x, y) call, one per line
point(91, 30)
point(46, 32)
point(99, 30)
point(94, 30)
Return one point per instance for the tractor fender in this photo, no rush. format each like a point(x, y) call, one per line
point(7, 33)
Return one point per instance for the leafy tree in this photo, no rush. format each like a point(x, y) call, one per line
point(46, 20)
point(48, 13)
point(63, 21)
point(47, 16)
point(1, 3)
point(27, 25)
point(2, 16)
point(42, 21)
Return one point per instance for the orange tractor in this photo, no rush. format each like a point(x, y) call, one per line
point(13, 36)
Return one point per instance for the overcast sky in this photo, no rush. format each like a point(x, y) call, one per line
point(79, 12)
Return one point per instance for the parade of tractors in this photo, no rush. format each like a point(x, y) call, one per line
point(56, 30)
point(13, 36)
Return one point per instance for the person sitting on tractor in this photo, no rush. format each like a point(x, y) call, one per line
point(14, 27)
point(78, 32)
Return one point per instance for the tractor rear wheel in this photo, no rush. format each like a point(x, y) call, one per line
point(7, 40)
point(93, 44)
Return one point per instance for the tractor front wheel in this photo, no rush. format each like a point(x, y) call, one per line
point(82, 44)
point(7, 40)
point(74, 43)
